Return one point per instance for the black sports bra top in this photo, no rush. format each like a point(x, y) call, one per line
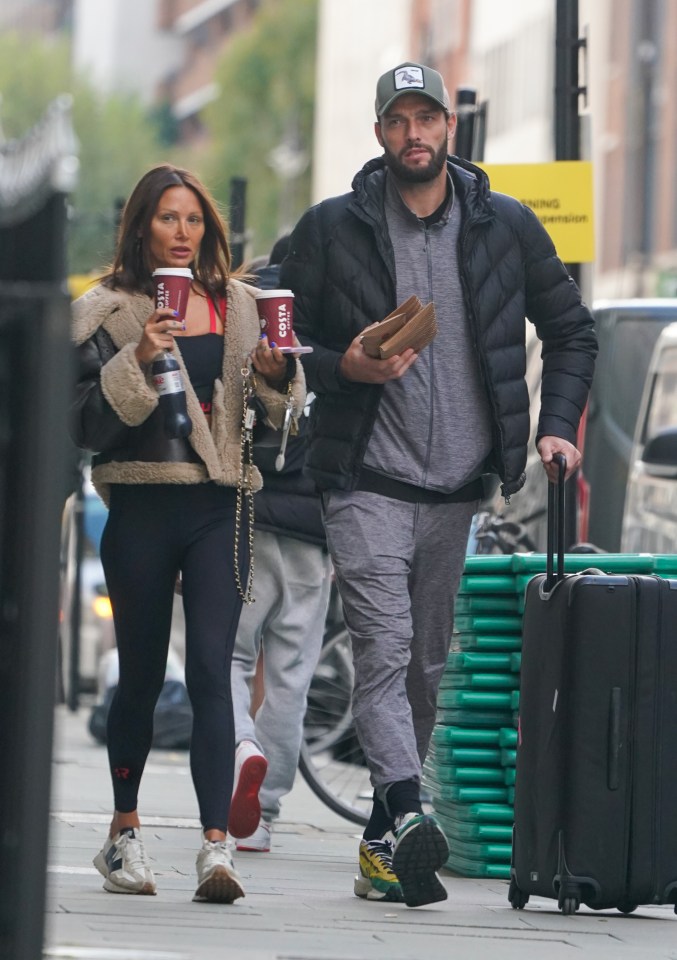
point(203, 357)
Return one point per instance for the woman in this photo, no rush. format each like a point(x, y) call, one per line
point(175, 505)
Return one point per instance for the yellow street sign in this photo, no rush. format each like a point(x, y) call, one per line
point(560, 194)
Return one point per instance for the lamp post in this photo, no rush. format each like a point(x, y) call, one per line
point(237, 219)
point(568, 147)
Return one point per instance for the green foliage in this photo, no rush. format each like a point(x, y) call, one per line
point(117, 145)
point(267, 84)
point(117, 140)
point(167, 125)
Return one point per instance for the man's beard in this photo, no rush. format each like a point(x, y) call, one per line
point(416, 174)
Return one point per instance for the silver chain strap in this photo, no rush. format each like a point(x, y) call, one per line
point(245, 485)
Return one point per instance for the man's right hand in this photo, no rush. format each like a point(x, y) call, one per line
point(358, 366)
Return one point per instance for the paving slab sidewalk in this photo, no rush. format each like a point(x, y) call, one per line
point(299, 903)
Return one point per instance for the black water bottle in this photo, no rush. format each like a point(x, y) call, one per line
point(168, 382)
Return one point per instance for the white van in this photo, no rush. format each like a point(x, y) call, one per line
point(650, 513)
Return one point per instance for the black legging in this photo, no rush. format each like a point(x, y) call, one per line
point(152, 532)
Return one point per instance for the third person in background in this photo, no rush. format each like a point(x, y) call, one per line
point(285, 626)
point(399, 446)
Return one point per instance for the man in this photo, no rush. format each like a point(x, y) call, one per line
point(398, 447)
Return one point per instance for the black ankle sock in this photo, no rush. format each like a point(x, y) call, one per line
point(380, 822)
point(403, 796)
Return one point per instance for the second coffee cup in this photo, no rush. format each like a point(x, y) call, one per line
point(276, 313)
point(172, 288)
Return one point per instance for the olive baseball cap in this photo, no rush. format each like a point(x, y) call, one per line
point(410, 78)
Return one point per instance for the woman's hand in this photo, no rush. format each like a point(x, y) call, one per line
point(269, 361)
point(157, 335)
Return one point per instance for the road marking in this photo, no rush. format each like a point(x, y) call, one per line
point(73, 817)
point(110, 953)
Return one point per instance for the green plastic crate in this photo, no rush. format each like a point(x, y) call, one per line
point(469, 793)
point(489, 563)
point(534, 563)
point(483, 832)
point(458, 717)
point(488, 623)
point(488, 642)
point(476, 699)
point(470, 660)
point(464, 736)
point(481, 850)
point(488, 583)
point(450, 773)
point(460, 680)
point(476, 812)
point(507, 737)
point(477, 869)
point(490, 603)
point(463, 756)
point(665, 564)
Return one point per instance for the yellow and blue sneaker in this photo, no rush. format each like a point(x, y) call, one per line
point(376, 879)
point(421, 848)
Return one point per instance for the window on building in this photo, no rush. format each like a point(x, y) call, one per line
point(517, 77)
point(444, 31)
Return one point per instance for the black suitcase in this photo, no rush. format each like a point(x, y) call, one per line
point(596, 782)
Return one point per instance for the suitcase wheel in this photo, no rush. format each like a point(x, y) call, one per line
point(518, 898)
point(569, 896)
point(569, 905)
point(630, 907)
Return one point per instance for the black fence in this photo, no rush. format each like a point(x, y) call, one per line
point(36, 174)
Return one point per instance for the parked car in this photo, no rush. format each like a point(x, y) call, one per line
point(79, 661)
point(650, 515)
point(627, 331)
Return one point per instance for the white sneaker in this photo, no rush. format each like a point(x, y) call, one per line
point(259, 841)
point(245, 809)
point(124, 864)
point(218, 880)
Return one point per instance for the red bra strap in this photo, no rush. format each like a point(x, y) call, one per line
point(212, 313)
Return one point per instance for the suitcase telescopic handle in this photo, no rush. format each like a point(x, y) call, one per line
point(555, 525)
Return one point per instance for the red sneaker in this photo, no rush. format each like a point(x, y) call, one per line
point(245, 809)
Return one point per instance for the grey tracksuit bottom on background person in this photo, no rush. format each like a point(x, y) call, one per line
point(398, 566)
point(292, 581)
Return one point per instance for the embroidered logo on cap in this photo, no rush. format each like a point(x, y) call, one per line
point(406, 77)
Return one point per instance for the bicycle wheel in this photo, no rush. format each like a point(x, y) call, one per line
point(331, 760)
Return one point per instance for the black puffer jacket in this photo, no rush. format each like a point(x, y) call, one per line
point(288, 504)
point(341, 268)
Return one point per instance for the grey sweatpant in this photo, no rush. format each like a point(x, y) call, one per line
point(398, 567)
point(292, 580)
